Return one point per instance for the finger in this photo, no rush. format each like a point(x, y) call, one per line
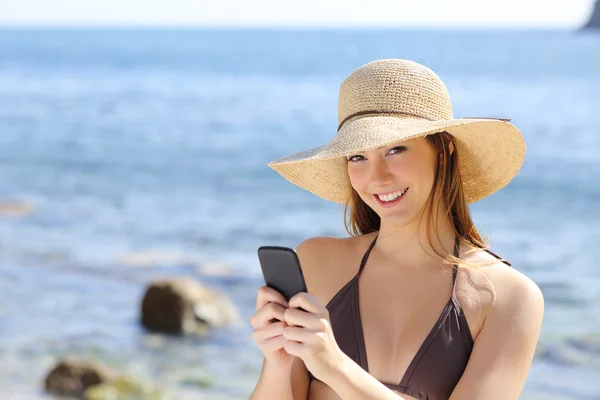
point(266, 314)
point(308, 302)
point(269, 331)
point(294, 348)
point(298, 334)
point(274, 344)
point(269, 295)
point(297, 317)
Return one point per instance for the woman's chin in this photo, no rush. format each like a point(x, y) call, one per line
point(395, 217)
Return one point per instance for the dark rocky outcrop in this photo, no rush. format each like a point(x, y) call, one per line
point(87, 380)
point(184, 306)
point(594, 21)
point(73, 377)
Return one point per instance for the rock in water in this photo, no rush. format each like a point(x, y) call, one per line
point(594, 21)
point(125, 389)
point(72, 377)
point(183, 306)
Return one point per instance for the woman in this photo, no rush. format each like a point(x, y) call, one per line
point(412, 305)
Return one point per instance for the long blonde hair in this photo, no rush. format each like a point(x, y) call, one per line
point(447, 190)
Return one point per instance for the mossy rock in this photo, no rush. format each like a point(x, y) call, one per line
point(71, 377)
point(125, 389)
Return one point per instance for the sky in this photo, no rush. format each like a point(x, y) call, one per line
point(303, 13)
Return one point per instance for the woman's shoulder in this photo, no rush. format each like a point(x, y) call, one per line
point(491, 273)
point(325, 245)
point(493, 287)
point(329, 261)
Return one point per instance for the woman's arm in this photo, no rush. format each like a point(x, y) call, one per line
point(275, 383)
point(503, 352)
point(281, 375)
point(351, 382)
point(272, 382)
point(293, 383)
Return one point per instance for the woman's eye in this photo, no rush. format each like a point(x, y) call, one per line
point(398, 149)
point(355, 158)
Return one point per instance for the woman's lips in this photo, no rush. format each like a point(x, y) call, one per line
point(387, 204)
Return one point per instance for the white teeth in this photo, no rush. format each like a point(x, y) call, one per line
point(391, 196)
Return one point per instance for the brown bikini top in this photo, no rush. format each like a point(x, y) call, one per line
point(440, 361)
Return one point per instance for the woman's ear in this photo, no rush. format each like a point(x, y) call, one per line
point(451, 147)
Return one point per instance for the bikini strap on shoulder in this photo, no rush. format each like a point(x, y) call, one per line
point(456, 254)
point(366, 256)
point(499, 258)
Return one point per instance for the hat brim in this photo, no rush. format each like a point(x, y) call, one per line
point(491, 153)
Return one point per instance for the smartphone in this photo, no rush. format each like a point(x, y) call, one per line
point(281, 270)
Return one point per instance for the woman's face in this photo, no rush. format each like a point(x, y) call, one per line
point(394, 180)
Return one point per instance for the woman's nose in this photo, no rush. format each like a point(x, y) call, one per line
point(380, 173)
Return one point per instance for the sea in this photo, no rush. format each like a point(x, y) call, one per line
point(128, 155)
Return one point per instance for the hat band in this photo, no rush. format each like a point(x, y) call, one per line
point(356, 114)
point(396, 113)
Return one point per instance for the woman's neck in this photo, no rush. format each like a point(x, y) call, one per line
point(410, 241)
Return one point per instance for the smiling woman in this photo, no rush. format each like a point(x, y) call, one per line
point(434, 315)
point(372, 176)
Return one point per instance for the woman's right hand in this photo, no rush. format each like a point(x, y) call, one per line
point(268, 323)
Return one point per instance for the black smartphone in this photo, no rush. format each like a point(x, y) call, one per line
point(281, 270)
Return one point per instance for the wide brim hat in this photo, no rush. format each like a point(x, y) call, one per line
point(393, 100)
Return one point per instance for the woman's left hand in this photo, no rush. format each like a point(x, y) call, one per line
point(310, 337)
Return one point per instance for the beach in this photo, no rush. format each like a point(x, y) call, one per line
point(132, 155)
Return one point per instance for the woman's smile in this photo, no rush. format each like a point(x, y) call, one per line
point(390, 199)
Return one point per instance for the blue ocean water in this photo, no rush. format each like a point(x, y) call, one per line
point(137, 144)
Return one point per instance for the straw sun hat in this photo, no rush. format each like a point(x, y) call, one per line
point(387, 101)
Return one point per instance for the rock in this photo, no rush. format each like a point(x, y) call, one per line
point(73, 377)
point(183, 306)
point(594, 21)
point(125, 389)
